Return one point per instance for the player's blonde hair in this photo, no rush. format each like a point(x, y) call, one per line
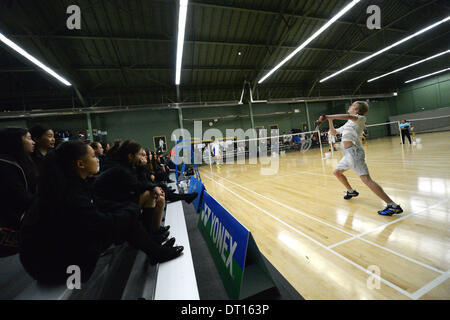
point(362, 106)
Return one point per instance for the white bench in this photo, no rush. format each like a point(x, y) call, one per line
point(171, 280)
point(176, 278)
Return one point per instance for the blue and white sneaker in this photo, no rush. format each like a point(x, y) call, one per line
point(390, 210)
point(350, 195)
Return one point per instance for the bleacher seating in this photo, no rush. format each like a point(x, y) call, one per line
point(176, 278)
point(122, 272)
point(172, 280)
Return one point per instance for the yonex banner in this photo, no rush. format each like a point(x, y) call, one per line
point(196, 185)
point(234, 251)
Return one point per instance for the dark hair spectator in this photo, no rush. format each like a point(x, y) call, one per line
point(106, 147)
point(17, 184)
point(64, 226)
point(127, 153)
point(44, 138)
point(99, 153)
point(112, 152)
point(132, 187)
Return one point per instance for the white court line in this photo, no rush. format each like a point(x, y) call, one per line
point(325, 175)
point(431, 285)
point(388, 283)
point(290, 208)
point(354, 236)
point(409, 162)
point(329, 175)
point(419, 164)
point(392, 222)
point(352, 178)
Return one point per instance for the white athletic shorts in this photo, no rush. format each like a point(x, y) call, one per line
point(331, 139)
point(354, 158)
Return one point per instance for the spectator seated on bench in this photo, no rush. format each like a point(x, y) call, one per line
point(64, 226)
point(17, 185)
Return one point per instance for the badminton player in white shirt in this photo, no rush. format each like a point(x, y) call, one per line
point(354, 155)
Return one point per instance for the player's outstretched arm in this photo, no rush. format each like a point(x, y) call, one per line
point(332, 129)
point(338, 117)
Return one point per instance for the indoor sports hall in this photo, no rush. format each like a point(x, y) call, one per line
point(222, 150)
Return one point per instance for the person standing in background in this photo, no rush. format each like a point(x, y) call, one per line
point(99, 153)
point(331, 141)
point(45, 141)
point(404, 126)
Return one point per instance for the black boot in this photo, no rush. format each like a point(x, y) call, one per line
point(159, 237)
point(190, 197)
point(163, 229)
point(169, 243)
point(156, 253)
point(166, 254)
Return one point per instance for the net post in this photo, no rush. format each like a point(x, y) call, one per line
point(320, 143)
point(400, 132)
point(209, 155)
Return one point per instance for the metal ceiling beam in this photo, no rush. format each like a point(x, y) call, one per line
point(158, 89)
point(335, 53)
point(200, 42)
point(174, 106)
point(113, 44)
point(146, 89)
point(325, 69)
point(166, 68)
point(276, 52)
point(287, 15)
point(393, 63)
point(61, 58)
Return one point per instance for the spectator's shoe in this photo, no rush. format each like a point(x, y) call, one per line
point(350, 195)
point(190, 197)
point(169, 243)
point(165, 254)
point(160, 237)
point(390, 210)
point(163, 229)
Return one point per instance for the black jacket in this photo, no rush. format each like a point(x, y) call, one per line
point(120, 183)
point(73, 232)
point(16, 192)
point(37, 157)
point(101, 161)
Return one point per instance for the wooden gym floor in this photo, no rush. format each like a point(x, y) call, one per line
point(328, 247)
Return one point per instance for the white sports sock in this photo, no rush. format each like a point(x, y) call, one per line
point(350, 190)
point(393, 204)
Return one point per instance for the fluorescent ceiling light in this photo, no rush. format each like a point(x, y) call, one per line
point(387, 48)
point(180, 43)
point(18, 49)
point(428, 75)
point(409, 66)
point(315, 35)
